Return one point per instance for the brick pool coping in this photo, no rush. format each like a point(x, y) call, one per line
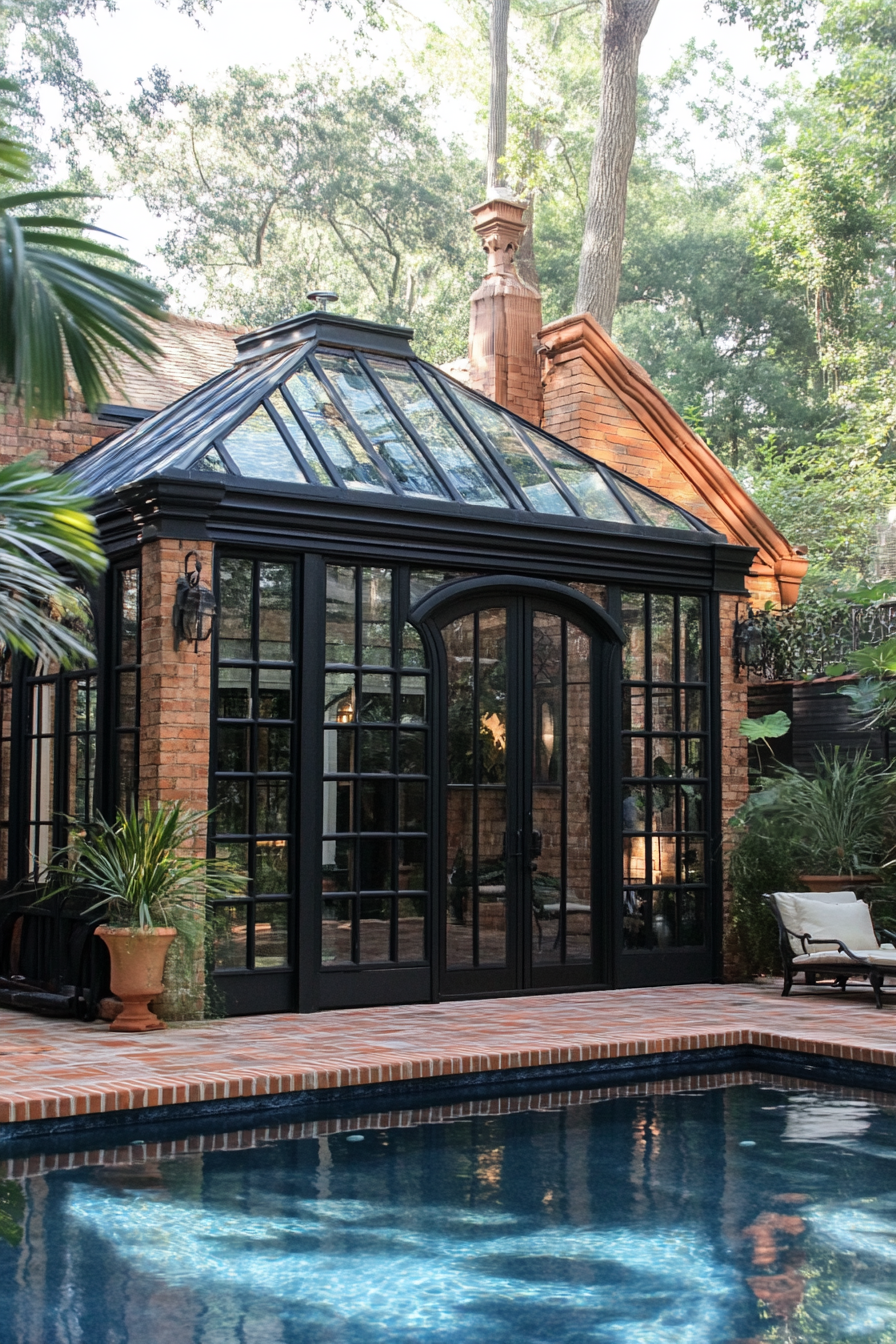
point(56, 1070)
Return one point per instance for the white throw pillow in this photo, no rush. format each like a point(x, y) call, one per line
point(851, 923)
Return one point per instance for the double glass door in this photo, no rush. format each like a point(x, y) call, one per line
point(519, 895)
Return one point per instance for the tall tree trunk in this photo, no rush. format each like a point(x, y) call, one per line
point(497, 98)
point(623, 29)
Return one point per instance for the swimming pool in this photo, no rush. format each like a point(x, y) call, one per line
point(688, 1212)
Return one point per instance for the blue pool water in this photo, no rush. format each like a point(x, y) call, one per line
point(761, 1212)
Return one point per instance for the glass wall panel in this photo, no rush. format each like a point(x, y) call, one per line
point(5, 758)
point(561, 791)
point(127, 686)
point(665, 757)
point(252, 823)
point(476, 653)
point(376, 784)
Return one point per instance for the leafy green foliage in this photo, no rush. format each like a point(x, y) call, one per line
point(42, 519)
point(57, 300)
point(766, 727)
point(828, 496)
point(836, 816)
point(873, 696)
point(12, 1212)
point(837, 819)
point(281, 183)
point(763, 860)
point(145, 869)
point(783, 24)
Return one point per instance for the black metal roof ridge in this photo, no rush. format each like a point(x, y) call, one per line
point(333, 328)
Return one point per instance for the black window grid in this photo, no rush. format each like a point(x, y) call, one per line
point(354, 893)
point(677, 903)
point(60, 742)
point(247, 840)
point(126, 675)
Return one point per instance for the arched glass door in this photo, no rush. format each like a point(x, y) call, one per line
point(521, 832)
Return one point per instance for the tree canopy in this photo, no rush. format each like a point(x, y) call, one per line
point(757, 291)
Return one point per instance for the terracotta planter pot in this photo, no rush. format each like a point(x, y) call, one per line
point(837, 882)
point(138, 960)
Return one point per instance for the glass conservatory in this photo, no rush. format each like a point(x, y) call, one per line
point(457, 716)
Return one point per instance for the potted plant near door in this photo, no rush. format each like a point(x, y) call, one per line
point(154, 886)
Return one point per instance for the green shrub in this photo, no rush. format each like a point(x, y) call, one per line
point(760, 863)
point(835, 819)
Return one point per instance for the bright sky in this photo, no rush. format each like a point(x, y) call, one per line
point(118, 48)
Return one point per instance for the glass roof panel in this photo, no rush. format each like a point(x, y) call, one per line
point(651, 510)
point(522, 463)
point(407, 464)
point(583, 480)
point(457, 460)
point(310, 459)
point(379, 421)
point(258, 449)
point(212, 462)
point(342, 446)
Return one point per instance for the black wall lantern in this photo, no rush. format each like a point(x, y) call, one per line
point(194, 606)
point(748, 642)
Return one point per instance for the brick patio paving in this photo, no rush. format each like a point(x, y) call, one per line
point(53, 1069)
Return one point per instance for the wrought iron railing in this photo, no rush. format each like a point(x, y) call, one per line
point(807, 639)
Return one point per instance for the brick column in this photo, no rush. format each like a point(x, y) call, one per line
point(175, 705)
point(505, 316)
point(733, 747)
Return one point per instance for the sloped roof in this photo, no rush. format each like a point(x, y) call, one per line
point(743, 520)
point(192, 352)
point(330, 401)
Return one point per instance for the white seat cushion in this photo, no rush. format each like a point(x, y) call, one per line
point(828, 958)
point(785, 903)
point(850, 922)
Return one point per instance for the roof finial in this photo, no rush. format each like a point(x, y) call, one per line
point(321, 297)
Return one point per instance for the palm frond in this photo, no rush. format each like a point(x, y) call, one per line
point(56, 300)
point(42, 520)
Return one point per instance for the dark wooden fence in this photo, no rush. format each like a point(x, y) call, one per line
point(820, 717)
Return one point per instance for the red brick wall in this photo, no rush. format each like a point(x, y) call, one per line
point(57, 441)
point(174, 734)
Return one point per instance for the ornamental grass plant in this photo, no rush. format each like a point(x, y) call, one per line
point(144, 869)
point(837, 818)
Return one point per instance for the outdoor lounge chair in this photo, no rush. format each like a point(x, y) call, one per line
point(830, 936)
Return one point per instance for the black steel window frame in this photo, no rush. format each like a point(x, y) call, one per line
point(650, 781)
point(397, 670)
point(62, 739)
point(220, 841)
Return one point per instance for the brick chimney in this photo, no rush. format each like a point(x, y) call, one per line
point(505, 315)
